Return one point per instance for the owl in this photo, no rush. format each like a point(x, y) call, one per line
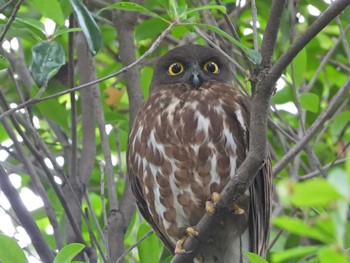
point(187, 142)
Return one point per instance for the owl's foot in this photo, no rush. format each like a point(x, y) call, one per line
point(179, 248)
point(192, 231)
point(237, 210)
point(210, 205)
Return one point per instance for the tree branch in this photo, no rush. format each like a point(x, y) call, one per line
point(38, 241)
point(118, 221)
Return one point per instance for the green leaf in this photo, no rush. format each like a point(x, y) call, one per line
point(150, 249)
point(128, 6)
point(316, 192)
point(68, 252)
point(49, 109)
point(338, 178)
point(332, 254)
point(10, 251)
point(23, 31)
point(283, 96)
point(298, 227)
point(339, 122)
point(47, 58)
point(36, 27)
point(50, 9)
point(149, 28)
point(220, 8)
point(254, 258)
point(310, 101)
point(4, 63)
point(299, 64)
point(88, 25)
point(173, 8)
point(253, 55)
point(65, 30)
point(293, 253)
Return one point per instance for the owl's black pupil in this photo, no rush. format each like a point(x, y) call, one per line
point(211, 67)
point(176, 68)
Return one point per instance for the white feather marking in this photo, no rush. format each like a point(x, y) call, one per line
point(203, 123)
point(215, 178)
point(138, 134)
point(219, 110)
point(160, 208)
point(192, 105)
point(181, 218)
point(152, 143)
point(195, 148)
point(240, 119)
point(230, 144)
point(171, 109)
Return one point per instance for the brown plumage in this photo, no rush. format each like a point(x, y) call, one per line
point(187, 141)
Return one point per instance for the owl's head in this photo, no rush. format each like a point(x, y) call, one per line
point(191, 64)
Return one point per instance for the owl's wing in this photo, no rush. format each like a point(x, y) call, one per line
point(260, 210)
point(141, 203)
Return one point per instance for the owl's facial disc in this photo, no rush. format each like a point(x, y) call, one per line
point(192, 65)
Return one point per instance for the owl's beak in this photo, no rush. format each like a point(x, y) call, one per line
point(196, 80)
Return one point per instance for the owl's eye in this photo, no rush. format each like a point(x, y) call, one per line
point(211, 67)
point(175, 68)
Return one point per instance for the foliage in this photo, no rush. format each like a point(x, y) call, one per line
point(46, 136)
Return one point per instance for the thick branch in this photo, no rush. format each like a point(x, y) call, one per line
point(270, 34)
point(25, 218)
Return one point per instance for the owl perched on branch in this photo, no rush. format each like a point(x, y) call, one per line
point(187, 142)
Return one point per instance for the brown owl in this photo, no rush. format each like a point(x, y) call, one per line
point(187, 142)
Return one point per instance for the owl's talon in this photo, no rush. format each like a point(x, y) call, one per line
point(192, 232)
point(237, 210)
point(215, 197)
point(210, 205)
point(179, 246)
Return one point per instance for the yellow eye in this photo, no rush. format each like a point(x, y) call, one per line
point(211, 67)
point(175, 68)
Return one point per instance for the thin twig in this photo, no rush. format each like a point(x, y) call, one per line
point(134, 245)
point(255, 27)
point(11, 18)
point(235, 63)
point(7, 4)
point(324, 116)
point(73, 110)
point(235, 36)
point(325, 168)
